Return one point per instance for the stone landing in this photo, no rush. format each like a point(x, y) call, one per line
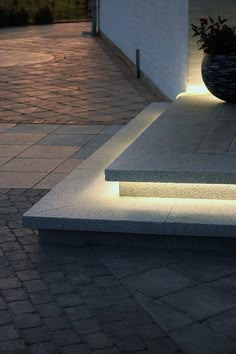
point(85, 206)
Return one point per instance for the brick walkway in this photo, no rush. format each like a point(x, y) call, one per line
point(82, 85)
point(62, 299)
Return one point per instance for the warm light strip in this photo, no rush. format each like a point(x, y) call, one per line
point(178, 190)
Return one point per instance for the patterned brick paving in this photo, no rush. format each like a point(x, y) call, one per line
point(62, 299)
point(82, 85)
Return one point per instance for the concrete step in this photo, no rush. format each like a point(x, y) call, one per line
point(85, 208)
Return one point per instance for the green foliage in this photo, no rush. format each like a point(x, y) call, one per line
point(215, 36)
point(43, 16)
point(61, 9)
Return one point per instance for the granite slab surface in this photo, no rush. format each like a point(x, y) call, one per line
point(191, 142)
point(85, 201)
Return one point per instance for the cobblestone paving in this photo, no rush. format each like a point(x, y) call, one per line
point(62, 299)
point(84, 84)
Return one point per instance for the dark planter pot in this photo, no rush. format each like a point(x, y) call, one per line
point(219, 75)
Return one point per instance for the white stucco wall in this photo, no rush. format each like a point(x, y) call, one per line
point(203, 8)
point(159, 29)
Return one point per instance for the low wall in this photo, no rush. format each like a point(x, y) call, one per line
point(159, 29)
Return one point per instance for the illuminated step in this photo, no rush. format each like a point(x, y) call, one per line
point(188, 152)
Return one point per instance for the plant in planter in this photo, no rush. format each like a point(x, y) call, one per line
point(218, 42)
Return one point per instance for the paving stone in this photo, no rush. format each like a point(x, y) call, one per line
point(66, 140)
point(164, 315)
point(163, 345)
point(205, 268)
point(16, 255)
point(78, 312)
point(200, 339)
point(117, 292)
point(35, 335)
point(76, 348)
point(40, 151)
point(5, 318)
point(20, 138)
point(41, 297)
point(14, 294)
point(107, 351)
point(56, 323)
point(3, 305)
point(60, 288)
point(28, 274)
point(13, 346)
point(107, 315)
point(80, 129)
point(20, 307)
point(149, 331)
point(98, 340)
point(89, 290)
point(79, 279)
point(67, 300)
point(97, 270)
point(119, 329)
point(6, 271)
point(107, 281)
point(97, 301)
point(130, 344)
point(137, 317)
point(43, 348)
point(27, 320)
point(87, 325)
point(53, 277)
point(212, 301)
point(66, 337)
point(224, 323)
point(8, 332)
point(9, 283)
point(158, 282)
point(22, 264)
point(50, 309)
point(34, 128)
point(35, 285)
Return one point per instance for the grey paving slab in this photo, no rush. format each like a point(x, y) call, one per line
point(50, 181)
point(168, 318)
point(5, 127)
point(212, 301)
point(51, 152)
point(20, 179)
point(224, 323)
point(3, 160)
point(91, 146)
point(20, 138)
point(33, 128)
point(157, 282)
point(66, 139)
point(80, 129)
point(113, 129)
point(31, 165)
point(197, 339)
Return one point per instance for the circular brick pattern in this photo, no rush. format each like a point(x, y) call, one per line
point(17, 57)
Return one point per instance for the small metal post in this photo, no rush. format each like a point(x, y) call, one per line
point(138, 71)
